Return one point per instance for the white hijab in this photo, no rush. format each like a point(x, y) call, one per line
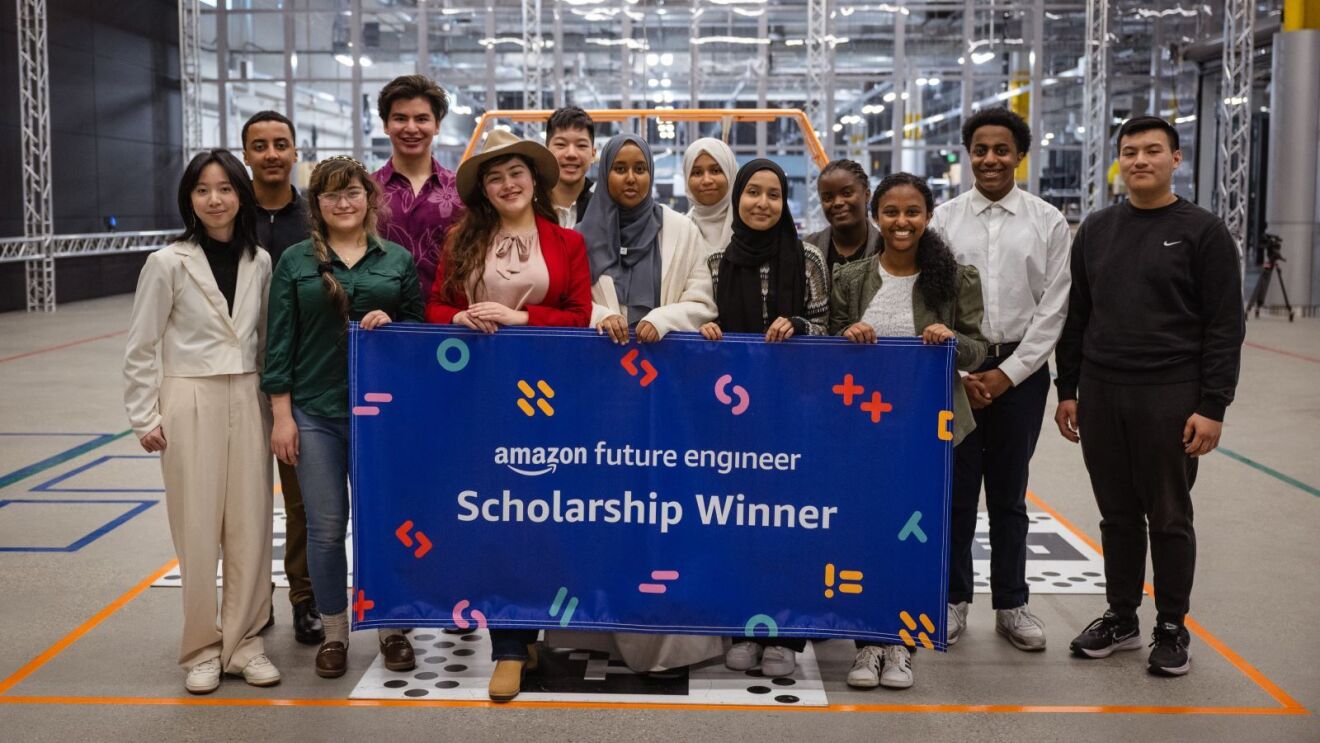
point(715, 222)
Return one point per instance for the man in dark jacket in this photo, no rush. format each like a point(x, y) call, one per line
point(1148, 363)
point(268, 149)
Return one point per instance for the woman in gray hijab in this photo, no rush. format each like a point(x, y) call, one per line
point(649, 276)
point(648, 268)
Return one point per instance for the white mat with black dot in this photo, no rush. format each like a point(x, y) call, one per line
point(458, 667)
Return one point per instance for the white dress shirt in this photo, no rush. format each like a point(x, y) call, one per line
point(1021, 246)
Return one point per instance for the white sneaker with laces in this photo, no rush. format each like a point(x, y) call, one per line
point(1021, 627)
point(897, 673)
point(261, 672)
point(204, 677)
point(777, 661)
point(865, 673)
point(743, 656)
point(957, 621)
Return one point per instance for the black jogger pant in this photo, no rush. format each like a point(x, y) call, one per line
point(1142, 479)
point(997, 452)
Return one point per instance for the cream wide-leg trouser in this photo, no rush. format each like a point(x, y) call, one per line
point(218, 491)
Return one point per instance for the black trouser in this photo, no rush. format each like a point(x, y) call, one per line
point(295, 536)
point(1142, 478)
point(999, 453)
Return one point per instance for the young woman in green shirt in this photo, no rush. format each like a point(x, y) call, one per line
point(343, 272)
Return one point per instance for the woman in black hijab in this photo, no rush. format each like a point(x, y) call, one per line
point(766, 280)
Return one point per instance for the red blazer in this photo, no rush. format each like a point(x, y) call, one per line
point(567, 300)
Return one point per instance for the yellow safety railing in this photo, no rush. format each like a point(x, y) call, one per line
point(726, 116)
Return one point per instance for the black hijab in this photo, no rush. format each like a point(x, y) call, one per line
point(738, 294)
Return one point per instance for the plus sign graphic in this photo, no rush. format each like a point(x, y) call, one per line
point(362, 605)
point(876, 407)
point(848, 389)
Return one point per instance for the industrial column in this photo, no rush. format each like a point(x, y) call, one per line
point(1235, 119)
point(1095, 140)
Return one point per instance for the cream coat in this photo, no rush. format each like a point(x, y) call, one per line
point(181, 318)
point(687, 297)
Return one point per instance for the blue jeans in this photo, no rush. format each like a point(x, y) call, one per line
point(323, 475)
point(511, 644)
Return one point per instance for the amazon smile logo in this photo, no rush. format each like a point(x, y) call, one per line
point(534, 461)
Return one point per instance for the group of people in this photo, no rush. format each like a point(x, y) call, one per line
point(238, 348)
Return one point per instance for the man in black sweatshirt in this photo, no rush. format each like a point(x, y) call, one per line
point(268, 149)
point(1148, 362)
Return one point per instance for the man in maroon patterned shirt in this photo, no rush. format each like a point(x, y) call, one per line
point(421, 198)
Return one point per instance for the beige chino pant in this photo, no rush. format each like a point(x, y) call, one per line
point(218, 491)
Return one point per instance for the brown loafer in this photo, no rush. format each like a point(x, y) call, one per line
point(506, 680)
point(398, 653)
point(332, 660)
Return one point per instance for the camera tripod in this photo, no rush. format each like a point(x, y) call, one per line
point(1273, 257)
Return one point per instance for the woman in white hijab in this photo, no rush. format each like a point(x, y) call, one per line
point(709, 167)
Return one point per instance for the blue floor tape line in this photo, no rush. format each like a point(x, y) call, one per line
point(49, 486)
point(138, 507)
point(58, 459)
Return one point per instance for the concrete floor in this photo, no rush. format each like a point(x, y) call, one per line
point(1258, 510)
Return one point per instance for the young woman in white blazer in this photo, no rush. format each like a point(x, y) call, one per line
point(192, 390)
point(648, 262)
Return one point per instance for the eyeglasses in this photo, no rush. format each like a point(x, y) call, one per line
point(332, 198)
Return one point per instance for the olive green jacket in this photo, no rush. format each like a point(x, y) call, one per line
point(855, 285)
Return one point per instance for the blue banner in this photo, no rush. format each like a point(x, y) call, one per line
point(550, 478)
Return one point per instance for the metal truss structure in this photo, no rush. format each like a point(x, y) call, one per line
point(533, 44)
point(820, 83)
point(34, 117)
point(95, 243)
point(1235, 118)
point(1095, 163)
point(190, 75)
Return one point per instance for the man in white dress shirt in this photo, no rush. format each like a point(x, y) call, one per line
point(1021, 246)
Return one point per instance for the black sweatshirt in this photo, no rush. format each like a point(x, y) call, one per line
point(1156, 298)
point(277, 230)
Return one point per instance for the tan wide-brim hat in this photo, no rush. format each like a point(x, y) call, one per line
point(500, 143)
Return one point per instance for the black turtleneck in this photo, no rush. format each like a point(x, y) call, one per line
point(223, 259)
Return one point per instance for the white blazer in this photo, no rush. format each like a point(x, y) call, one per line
point(181, 326)
point(687, 297)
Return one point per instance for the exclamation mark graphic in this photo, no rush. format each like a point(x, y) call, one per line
point(829, 580)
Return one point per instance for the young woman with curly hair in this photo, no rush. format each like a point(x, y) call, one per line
point(912, 287)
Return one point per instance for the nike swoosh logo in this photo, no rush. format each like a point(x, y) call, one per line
point(1175, 242)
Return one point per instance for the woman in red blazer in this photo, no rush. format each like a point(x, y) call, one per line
point(507, 261)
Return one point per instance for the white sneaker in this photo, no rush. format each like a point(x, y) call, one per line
point(1021, 627)
point(957, 621)
point(865, 673)
point(897, 672)
point(261, 672)
point(204, 677)
point(778, 660)
point(743, 656)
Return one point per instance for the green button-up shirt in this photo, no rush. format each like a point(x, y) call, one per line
point(306, 339)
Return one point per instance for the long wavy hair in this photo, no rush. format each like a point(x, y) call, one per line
point(938, 282)
point(245, 223)
point(464, 252)
point(336, 174)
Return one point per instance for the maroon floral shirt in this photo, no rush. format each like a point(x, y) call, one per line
point(419, 222)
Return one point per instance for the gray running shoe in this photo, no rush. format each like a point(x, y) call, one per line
point(1021, 627)
point(957, 621)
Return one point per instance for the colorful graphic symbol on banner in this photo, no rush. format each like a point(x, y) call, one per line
point(576, 496)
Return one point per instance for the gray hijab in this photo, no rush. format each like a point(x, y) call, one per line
point(624, 244)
